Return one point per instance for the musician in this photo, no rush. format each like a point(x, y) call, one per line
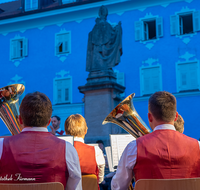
point(163, 154)
point(55, 126)
point(91, 157)
point(179, 124)
point(35, 155)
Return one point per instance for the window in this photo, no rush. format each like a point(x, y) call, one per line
point(19, 48)
point(149, 29)
point(185, 23)
point(63, 90)
point(150, 78)
point(120, 79)
point(31, 5)
point(187, 76)
point(68, 1)
point(63, 43)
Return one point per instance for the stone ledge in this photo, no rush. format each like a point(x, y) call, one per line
point(102, 85)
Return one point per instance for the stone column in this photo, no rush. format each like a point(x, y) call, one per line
point(101, 96)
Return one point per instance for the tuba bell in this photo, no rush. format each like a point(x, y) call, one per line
point(125, 115)
point(9, 106)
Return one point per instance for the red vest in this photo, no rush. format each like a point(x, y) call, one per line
point(86, 154)
point(167, 154)
point(33, 157)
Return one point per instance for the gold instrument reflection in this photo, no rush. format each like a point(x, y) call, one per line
point(125, 115)
point(9, 106)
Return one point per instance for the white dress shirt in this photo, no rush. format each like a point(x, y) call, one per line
point(74, 181)
point(99, 159)
point(59, 130)
point(124, 173)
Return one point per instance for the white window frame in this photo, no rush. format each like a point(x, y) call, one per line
point(33, 5)
point(59, 41)
point(140, 28)
point(175, 25)
point(120, 77)
point(178, 77)
point(55, 91)
point(17, 52)
point(142, 85)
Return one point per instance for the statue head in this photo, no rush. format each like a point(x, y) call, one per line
point(103, 12)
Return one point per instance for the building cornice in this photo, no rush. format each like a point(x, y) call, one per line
point(75, 13)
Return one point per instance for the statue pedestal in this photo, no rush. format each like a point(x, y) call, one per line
point(101, 96)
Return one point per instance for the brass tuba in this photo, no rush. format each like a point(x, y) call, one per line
point(125, 115)
point(9, 106)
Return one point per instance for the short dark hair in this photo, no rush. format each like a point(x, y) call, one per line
point(58, 118)
point(35, 109)
point(162, 105)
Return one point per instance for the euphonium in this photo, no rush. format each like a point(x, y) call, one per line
point(9, 106)
point(125, 115)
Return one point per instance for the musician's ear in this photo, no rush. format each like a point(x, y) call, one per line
point(150, 117)
point(86, 130)
point(176, 116)
point(49, 121)
point(20, 120)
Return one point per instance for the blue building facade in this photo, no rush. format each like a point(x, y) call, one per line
point(46, 51)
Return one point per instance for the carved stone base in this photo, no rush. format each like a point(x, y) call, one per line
point(101, 96)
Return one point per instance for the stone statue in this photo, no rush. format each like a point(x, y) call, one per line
point(104, 44)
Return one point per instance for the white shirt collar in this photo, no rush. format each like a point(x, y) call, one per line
point(80, 139)
point(40, 129)
point(59, 129)
point(164, 126)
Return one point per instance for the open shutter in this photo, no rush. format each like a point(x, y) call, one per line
point(159, 27)
point(57, 43)
point(138, 32)
point(196, 21)
point(66, 43)
point(174, 24)
point(18, 49)
point(25, 47)
point(27, 4)
point(13, 49)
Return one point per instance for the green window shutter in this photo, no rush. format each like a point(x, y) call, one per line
point(67, 87)
point(193, 76)
point(27, 4)
point(174, 24)
point(138, 32)
point(34, 4)
point(120, 78)
point(57, 42)
point(13, 49)
point(25, 47)
point(188, 76)
point(159, 27)
point(66, 42)
point(196, 21)
point(18, 48)
point(150, 80)
point(59, 91)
